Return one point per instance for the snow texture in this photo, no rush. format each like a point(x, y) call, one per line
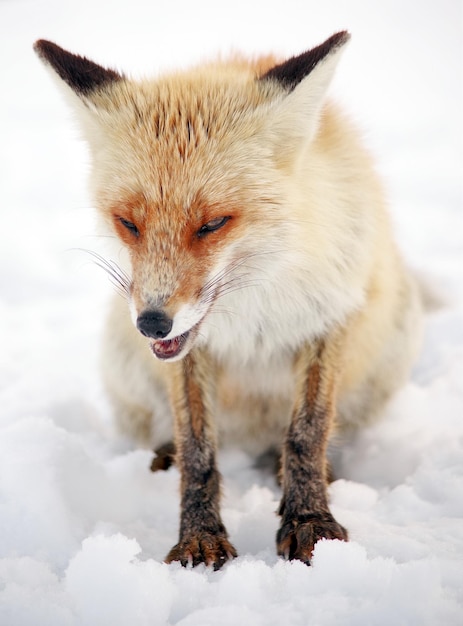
point(84, 525)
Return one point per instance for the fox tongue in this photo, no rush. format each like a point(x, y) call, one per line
point(168, 348)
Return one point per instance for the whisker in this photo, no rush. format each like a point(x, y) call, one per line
point(232, 287)
point(225, 282)
point(119, 278)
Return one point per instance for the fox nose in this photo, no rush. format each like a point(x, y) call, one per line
point(154, 323)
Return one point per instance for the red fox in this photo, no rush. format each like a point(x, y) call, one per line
point(263, 276)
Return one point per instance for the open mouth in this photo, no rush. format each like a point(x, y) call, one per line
point(169, 348)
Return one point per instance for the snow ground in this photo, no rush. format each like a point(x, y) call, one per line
point(83, 525)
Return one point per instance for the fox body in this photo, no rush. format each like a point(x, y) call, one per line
point(267, 298)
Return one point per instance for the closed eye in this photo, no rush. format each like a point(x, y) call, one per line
point(212, 225)
point(130, 226)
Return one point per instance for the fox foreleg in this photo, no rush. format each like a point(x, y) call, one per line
point(304, 509)
point(203, 537)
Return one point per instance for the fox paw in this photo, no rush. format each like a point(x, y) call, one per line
point(164, 457)
point(297, 537)
point(213, 550)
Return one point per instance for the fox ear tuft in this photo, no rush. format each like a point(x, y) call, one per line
point(291, 72)
point(81, 74)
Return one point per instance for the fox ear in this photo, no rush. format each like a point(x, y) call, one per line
point(291, 72)
point(83, 76)
point(305, 80)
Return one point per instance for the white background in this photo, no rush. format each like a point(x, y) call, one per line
point(83, 525)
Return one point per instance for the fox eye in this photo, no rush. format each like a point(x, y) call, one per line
point(130, 226)
point(213, 225)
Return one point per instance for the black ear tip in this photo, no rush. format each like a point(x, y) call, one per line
point(295, 69)
point(81, 74)
point(341, 38)
point(334, 42)
point(42, 47)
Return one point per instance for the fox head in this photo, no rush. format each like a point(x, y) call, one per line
point(190, 171)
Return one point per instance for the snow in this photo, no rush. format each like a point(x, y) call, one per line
point(84, 525)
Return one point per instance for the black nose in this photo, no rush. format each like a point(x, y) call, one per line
point(154, 323)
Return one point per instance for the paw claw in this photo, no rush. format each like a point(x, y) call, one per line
point(212, 550)
point(297, 537)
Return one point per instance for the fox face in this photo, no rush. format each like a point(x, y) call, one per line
point(182, 265)
point(193, 173)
